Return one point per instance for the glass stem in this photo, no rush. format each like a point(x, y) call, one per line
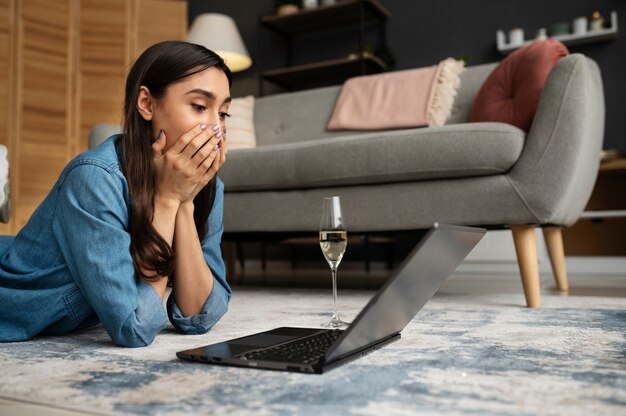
point(333, 270)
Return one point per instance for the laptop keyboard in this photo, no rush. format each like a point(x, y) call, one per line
point(304, 351)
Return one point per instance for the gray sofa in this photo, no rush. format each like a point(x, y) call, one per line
point(486, 174)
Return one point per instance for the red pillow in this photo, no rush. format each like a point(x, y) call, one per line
point(512, 91)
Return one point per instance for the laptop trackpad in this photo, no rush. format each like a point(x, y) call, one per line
point(262, 340)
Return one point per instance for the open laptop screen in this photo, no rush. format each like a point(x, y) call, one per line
point(413, 283)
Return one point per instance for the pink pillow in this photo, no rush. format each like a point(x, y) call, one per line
point(512, 91)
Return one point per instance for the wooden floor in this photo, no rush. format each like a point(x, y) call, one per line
point(353, 276)
point(14, 408)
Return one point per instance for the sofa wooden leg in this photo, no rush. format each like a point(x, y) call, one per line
point(526, 250)
point(554, 242)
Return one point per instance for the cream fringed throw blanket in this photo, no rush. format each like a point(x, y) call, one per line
point(401, 99)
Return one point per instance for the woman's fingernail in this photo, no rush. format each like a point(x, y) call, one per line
point(202, 126)
point(219, 134)
point(161, 135)
point(216, 127)
point(215, 148)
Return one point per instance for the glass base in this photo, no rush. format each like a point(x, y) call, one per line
point(335, 323)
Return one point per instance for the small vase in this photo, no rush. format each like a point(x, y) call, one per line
point(516, 37)
point(597, 22)
point(542, 34)
point(579, 25)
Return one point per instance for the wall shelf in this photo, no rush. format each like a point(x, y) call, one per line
point(604, 214)
point(333, 71)
point(342, 13)
point(345, 14)
point(567, 39)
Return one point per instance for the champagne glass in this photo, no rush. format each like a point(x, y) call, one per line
point(333, 242)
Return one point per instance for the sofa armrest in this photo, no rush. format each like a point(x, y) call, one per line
point(558, 166)
point(101, 132)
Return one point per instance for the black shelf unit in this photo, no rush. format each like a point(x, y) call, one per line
point(329, 72)
point(323, 73)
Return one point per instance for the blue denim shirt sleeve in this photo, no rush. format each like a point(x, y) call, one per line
point(90, 227)
point(216, 304)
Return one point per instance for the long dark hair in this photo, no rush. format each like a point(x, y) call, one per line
point(159, 66)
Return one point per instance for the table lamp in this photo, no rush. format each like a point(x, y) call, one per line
point(219, 33)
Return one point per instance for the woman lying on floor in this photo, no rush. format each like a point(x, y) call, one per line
point(123, 218)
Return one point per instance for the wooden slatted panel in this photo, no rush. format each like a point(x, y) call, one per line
point(44, 73)
point(158, 20)
point(63, 65)
point(5, 59)
point(6, 91)
point(103, 42)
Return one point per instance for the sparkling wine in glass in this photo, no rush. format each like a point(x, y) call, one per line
point(333, 242)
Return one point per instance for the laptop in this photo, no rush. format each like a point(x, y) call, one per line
point(315, 351)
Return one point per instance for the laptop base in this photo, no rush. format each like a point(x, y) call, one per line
point(227, 353)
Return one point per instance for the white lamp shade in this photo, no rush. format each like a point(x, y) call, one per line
point(219, 33)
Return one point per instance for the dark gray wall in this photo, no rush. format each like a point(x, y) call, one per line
point(422, 32)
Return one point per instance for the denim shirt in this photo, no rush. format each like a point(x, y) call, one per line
point(70, 266)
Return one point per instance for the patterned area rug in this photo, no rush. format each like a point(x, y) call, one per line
point(463, 353)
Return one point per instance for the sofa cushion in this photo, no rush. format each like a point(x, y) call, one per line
point(454, 151)
point(511, 93)
point(471, 80)
point(295, 116)
point(240, 126)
